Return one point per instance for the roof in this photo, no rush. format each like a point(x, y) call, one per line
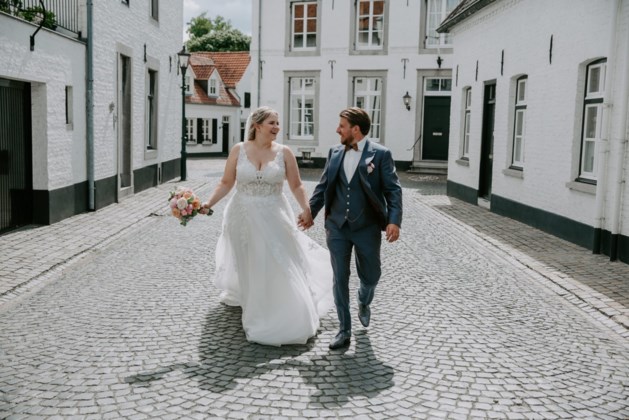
point(231, 65)
point(464, 10)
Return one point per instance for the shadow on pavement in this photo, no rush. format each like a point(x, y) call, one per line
point(227, 360)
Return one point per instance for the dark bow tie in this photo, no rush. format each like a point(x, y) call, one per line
point(351, 146)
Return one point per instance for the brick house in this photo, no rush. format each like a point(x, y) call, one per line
point(218, 101)
point(538, 128)
point(91, 109)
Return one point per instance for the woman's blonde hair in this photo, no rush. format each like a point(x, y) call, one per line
point(258, 117)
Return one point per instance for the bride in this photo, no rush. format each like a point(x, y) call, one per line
point(280, 277)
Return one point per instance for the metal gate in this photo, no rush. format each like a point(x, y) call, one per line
point(16, 174)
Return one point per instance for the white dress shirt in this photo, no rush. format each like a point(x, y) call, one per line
point(351, 160)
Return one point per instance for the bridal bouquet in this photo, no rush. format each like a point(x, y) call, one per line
point(184, 205)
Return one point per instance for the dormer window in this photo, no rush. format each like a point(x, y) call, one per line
point(212, 87)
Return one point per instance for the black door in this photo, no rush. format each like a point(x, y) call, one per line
point(225, 137)
point(487, 142)
point(436, 133)
point(16, 173)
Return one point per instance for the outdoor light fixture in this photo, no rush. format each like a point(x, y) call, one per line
point(407, 100)
point(184, 59)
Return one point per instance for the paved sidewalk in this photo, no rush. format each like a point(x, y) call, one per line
point(30, 256)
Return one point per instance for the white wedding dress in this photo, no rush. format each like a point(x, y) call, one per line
point(280, 277)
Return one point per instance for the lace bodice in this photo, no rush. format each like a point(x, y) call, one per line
point(266, 181)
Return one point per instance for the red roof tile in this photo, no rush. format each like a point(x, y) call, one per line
point(231, 65)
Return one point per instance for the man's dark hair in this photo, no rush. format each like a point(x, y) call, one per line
point(357, 116)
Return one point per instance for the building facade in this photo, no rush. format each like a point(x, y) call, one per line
point(218, 101)
point(539, 115)
point(91, 108)
point(381, 55)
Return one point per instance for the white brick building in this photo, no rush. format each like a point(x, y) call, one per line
point(539, 115)
point(56, 158)
point(313, 58)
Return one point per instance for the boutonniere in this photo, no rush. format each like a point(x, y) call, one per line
point(370, 167)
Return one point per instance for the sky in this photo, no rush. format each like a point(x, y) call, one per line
point(236, 11)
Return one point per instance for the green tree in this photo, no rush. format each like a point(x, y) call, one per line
point(215, 35)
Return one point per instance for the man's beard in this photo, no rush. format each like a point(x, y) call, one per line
point(347, 141)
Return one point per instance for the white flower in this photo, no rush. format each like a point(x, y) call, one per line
point(182, 203)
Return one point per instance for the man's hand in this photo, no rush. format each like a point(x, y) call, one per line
point(392, 232)
point(304, 220)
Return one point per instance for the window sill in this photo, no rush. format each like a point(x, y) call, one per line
point(515, 173)
point(582, 187)
point(150, 154)
point(463, 162)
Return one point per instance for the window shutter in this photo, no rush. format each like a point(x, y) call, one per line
point(199, 130)
point(214, 130)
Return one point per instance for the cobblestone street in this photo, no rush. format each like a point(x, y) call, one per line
point(114, 315)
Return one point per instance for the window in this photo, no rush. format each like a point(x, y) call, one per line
point(302, 105)
point(151, 110)
point(189, 83)
point(436, 13)
point(368, 96)
point(592, 119)
point(438, 86)
point(154, 9)
point(370, 25)
point(213, 89)
point(203, 127)
point(69, 106)
point(191, 125)
point(247, 99)
point(304, 25)
point(467, 115)
point(519, 126)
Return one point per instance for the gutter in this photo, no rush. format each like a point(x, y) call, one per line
point(619, 138)
point(605, 146)
point(458, 16)
point(259, 49)
point(89, 106)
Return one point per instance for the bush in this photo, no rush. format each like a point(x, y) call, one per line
point(35, 15)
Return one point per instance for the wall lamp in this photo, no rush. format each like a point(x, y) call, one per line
point(407, 100)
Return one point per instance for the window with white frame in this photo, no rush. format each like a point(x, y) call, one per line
point(592, 119)
point(370, 24)
point(302, 105)
point(467, 116)
point(204, 136)
point(436, 12)
point(304, 25)
point(151, 110)
point(519, 123)
point(191, 126)
point(213, 87)
point(189, 83)
point(368, 96)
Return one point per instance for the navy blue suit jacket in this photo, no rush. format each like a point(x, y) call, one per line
point(381, 185)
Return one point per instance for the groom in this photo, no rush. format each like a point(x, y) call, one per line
point(362, 196)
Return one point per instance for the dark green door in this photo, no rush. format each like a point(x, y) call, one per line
point(436, 134)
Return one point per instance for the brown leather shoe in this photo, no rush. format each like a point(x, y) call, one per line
point(342, 339)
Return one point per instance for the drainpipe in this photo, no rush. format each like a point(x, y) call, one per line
point(619, 138)
point(603, 158)
point(259, 48)
point(89, 108)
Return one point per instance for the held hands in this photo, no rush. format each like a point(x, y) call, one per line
point(304, 220)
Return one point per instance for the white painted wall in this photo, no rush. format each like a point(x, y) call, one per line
point(57, 61)
point(581, 32)
point(401, 126)
point(121, 28)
